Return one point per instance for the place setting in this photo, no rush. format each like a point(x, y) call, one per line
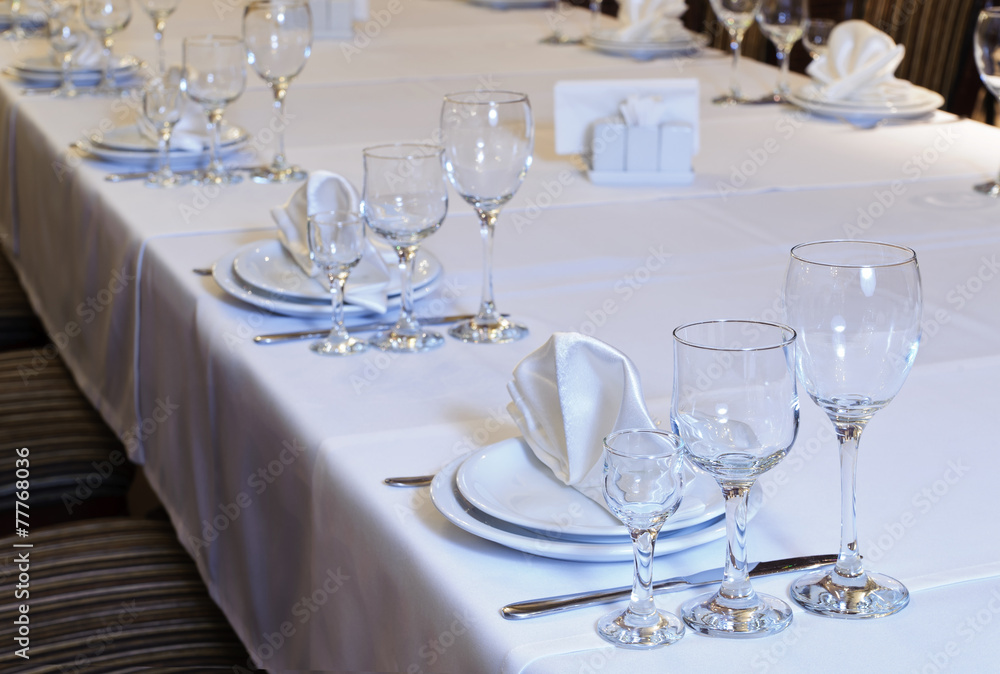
point(644, 30)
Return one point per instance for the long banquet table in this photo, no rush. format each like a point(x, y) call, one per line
point(269, 460)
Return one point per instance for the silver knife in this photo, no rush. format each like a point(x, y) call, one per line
point(537, 607)
point(365, 327)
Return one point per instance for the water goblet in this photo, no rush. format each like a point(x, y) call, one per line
point(856, 307)
point(405, 200)
point(643, 485)
point(106, 18)
point(278, 36)
point(986, 42)
point(737, 16)
point(159, 11)
point(215, 76)
point(782, 21)
point(65, 38)
point(816, 36)
point(336, 244)
point(488, 138)
point(162, 106)
point(738, 421)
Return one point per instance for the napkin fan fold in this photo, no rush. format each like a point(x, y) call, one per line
point(859, 65)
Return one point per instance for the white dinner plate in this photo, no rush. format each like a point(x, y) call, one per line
point(41, 70)
point(919, 103)
point(131, 139)
point(450, 503)
point(224, 275)
point(145, 159)
point(508, 482)
point(605, 41)
point(267, 266)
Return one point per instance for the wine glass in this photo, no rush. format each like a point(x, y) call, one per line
point(215, 76)
point(737, 16)
point(405, 200)
point(856, 307)
point(782, 22)
point(16, 30)
point(488, 138)
point(987, 53)
point(278, 36)
point(736, 407)
point(159, 11)
point(162, 106)
point(336, 244)
point(643, 485)
point(816, 36)
point(65, 38)
point(105, 18)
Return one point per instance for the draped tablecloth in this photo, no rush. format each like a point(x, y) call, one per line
point(270, 459)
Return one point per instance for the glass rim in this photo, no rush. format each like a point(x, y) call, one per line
point(212, 37)
point(911, 255)
point(785, 341)
point(680, 446)
point(483, 97)
point(376, 151)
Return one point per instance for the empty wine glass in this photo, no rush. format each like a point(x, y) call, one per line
point(215, 76)
point(159, 11)
point(987, 53)
point(488, 138)
point(405, 200)
point(736, 407)
point(782, 21)
point(278, 36)
point(162, 106)
point(643, 485)
point(856, 306)
point(65, 38)
point(737, 16)
point(105, 18)
point(336, 244)
point(816, 36)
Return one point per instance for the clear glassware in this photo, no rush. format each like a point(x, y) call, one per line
point(214, 76)
point(65, 38)
point(489, 139)
point(816, 36)
point(643, 485)
point(105, 18)
point(336, 244)
point(986, 42)
point(737, 16)
point(159, 11)
point(856, 306)
point(162, 106)
point(405, 200)
point(783, 22)
point(278, 36)
point(736, 407)
point(16, 30)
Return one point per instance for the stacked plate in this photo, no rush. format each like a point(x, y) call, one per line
point(916, 103)
point(608, 42)
point(127, 145)
point(44, 72)
point(504, 494)
point(265, 275)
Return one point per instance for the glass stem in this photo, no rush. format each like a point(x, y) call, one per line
point(158, 26)
point(215, 118)
point(736, 590)
point(641, 603)
point(109, 82)
point(783, 56)
point(849, 569)
point(338, 280)
point(406, 323)
point(67, 81)
point(164, 168)
point(736, 40)
point(280, 89)
point(487, 309)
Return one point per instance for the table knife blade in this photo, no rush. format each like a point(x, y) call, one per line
point(365, 327)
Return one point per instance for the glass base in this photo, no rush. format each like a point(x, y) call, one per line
point(708, 615)
point(268, 174)
point(347, 347)
point(65, 92)
point(992, 188)
point(156, 180)
point(628, 630)
point(399, 342)
point(219, 178)
point(876, 596)
point(500, 332)
point(730, 99)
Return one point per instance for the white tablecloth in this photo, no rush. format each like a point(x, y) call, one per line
point(270, 460)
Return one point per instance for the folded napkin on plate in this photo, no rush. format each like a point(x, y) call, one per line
point(568, 395)
point(325, 191)
point(859, 65)
point(190, 134)
point(651, 20)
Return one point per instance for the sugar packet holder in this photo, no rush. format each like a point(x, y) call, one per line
point(334, 19)
point(631, 132)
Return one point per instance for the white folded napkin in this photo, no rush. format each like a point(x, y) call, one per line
point(650, 20)
point(859, 65)
point(644, 110)
point(325, 191)
point(567, 396)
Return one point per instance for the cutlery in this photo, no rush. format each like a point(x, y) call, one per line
point(139, 175)
point(366, 327)
point(537, 607)
point(413, 481)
